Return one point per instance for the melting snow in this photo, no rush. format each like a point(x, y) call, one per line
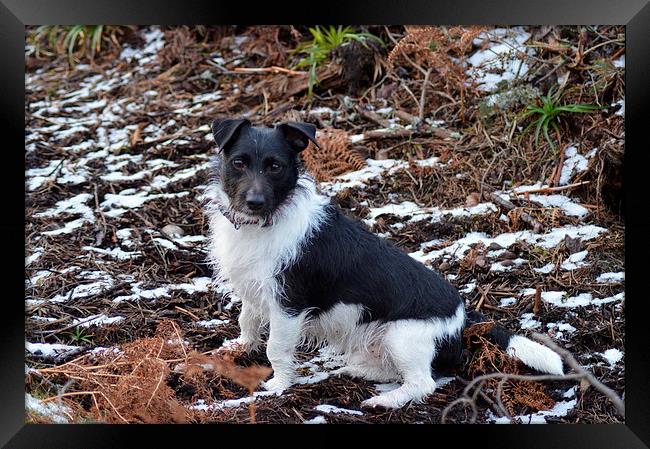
point(433, 214)
point(211, 323)
point(115, 253)
point(85, 290)
point(613, 356)
point(545, 269)
point(563, 202)
point(611, 278)
point(154, 41)
point(548, 240)
point(316, 420)
point(561, 299)
point(38, 252)
point(52, 350)
point(97, 320)
point(528, 322)
point(575, 260)
point(574, 163)
point(56, 412)
point(375, 169)
point(326, 408)
point(502, 59)
point(200, 284)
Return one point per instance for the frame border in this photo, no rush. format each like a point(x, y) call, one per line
point(635, 14)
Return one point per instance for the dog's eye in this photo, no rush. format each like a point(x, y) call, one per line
point(275, 167)
point(239, 164)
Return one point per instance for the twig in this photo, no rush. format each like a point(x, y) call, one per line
point(273, 69)
point(483, 296)
point(538, 300)
point(162, 376)
point(558, 169)
point(483, 378)
point(392, 133)
point(551, 72)
point(424, 93)
point(537, 226)
point(556, 189)
point(573, 363)
point(187, 312)
point(580, 374)
point(374, 117)
point(406, 116)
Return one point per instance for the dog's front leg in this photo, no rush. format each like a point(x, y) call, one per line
point(251, 321)
point(250, 326)
point(284, 335)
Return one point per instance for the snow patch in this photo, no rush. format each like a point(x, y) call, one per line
point(97, 320)
point(54, 411)
point(55, 351)
point(575, 260)
point(611, 278)
point(502, 59)
point(326, 408)
point(613, 356)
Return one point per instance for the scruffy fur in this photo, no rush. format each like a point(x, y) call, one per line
point(315, 276)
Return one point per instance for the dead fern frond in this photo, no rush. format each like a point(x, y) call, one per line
point(434, 46)
point(334, 156)
point(488, 358)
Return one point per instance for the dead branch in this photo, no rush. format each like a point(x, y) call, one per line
point(580, 374)
point(273, 69)
point(556, 189)
point(424, 93)
point(395, 133)
point(573, 363)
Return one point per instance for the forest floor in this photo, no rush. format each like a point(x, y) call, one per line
point(120, 309)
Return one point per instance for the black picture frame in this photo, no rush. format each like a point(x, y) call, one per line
point(15, 14)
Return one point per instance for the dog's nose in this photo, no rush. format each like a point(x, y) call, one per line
point(254, 201)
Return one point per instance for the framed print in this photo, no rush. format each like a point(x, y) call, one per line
point(389, 214)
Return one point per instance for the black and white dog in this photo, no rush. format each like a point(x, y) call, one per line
point(314, 275)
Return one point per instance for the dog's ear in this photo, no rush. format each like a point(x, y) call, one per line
point(224, 130)
point(298, 134)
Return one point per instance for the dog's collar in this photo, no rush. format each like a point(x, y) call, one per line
point(231, 216)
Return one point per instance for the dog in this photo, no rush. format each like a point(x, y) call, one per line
point(313, 275)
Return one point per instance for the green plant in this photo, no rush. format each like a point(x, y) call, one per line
point(80, 336)
point(75, 40)
point(324, 41)
point(548, 114)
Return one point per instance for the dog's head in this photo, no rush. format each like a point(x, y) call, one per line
point(259, 166)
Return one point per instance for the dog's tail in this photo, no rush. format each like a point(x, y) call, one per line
point(531, 353)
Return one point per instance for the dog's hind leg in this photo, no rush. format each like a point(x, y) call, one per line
point(410, 348)
point(367, 365)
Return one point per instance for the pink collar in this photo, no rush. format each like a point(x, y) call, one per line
point(228, 213)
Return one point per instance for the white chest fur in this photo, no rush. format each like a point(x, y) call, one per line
point(251, 258)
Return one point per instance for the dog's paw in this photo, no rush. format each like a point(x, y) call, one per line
point(276, 384)
point(238, 345)
point(349, 371)
point(383, 401)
